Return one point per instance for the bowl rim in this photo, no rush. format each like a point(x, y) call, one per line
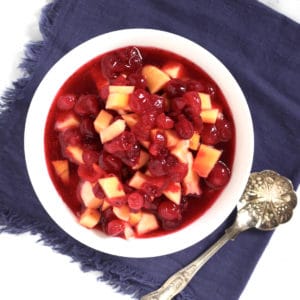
point(36, 160)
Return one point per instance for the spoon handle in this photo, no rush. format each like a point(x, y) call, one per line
point(178, 281)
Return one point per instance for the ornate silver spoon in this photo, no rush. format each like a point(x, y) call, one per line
point(268, 200)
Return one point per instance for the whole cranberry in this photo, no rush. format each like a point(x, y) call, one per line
point(219, 176)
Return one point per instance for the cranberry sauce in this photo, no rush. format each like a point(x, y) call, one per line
point(125, 140)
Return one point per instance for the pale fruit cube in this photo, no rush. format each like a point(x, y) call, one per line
point(155, 78)
point(143, 159)
point(117, 101)
point(105, 205)
point(112, 131)
point(194, 141)
point(173, 69)
point(173, 192)
point(147, 224)
point(66, 121)
point(121, 89)
point(134, 218)
point(206, 158)
point(74, 153)
point(181, 150)
point(111, 186)
point(122, 212)
point(130, 119)
point(61, 168)
point(209, 115)
point(205, 100)
point(191, 182)
point(90, 217)
point(103, 120)
point(128, 232)
point(172, 138)
point(88, 197)
point(137, 180)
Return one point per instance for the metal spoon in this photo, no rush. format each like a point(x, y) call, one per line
point(268, 200)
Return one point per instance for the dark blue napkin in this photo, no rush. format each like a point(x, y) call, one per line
point(262, 50)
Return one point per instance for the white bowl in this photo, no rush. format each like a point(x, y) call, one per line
point(36, 161)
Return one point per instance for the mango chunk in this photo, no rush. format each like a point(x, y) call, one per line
point(155, 78)
point(90, 217)
point(205, 160)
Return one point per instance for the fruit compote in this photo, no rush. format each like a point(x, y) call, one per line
point(139, 142)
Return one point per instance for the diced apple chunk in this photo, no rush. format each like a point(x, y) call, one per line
point(206, 158)
point(173, 69)
point(137, 180)
point(147, 224)
point(88, 197)
point(111, 186)
point(90, 217)
point(128, 232)
point(105, 205)
point(155, 78)
point(130, 119)
point(61, 168)
point(205, 101)
point(74, 153)
point(112, 131)
point(143, 159)
point(172, 138)
point(173, 192)
point(209, 115)
point(181, 150)
point(122, 212)
point(103, 120)
point(191, 182)
point(117, 101)
point(134, 218)
point(194, 141)
point(66, 121)
point(121, 89)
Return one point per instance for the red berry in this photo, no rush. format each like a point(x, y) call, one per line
point(135, 201)
point(90, 156)
point(139, 101)
point(219, 176)
point(157, 167)
point(97, 190)
point(210, 134)
point(70, 136)
point(87, 105)
point(192, 100)
point(184, 128)
point(175, 88)
point(164, 122)
point(224, 129)
point(196, 85)
point(137, 80)
point(87, 128)
point(66, 102)
point(115, 227)
point(88, 172)
point(177, 104)
point(110, 163)
point(168, 210)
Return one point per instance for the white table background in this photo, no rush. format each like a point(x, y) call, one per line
point(30, 270)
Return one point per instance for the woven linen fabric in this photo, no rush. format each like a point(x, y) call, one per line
point(262, 50)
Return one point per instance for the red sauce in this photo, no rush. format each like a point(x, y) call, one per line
point(88, 80)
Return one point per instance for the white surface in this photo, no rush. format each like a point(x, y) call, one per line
point(28, 269)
